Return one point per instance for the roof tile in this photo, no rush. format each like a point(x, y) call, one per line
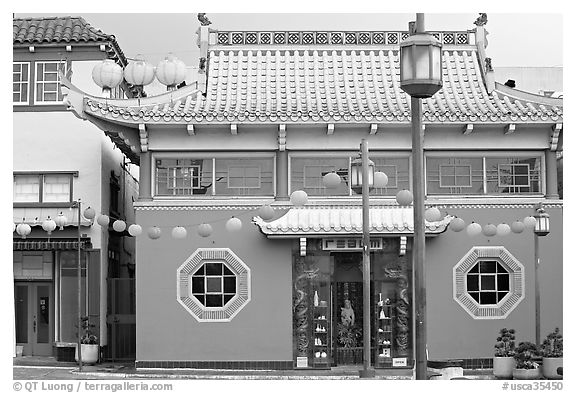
point(56, 30)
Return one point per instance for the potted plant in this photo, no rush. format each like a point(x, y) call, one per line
point(88, 343)
point(552, 350)
point(525, 356)
point(504, 363)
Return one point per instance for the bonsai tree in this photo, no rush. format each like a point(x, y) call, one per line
point(505, 343)
point(553, 346)
point(525, 355)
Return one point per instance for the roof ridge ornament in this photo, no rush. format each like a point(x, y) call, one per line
point(203, 19)
point(482, 19)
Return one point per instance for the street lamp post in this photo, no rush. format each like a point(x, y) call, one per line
point(420, 77)
point(542, 228)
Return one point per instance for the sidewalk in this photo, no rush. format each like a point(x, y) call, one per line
point(28, 366)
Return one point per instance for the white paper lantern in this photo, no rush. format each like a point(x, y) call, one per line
point(380, 179)
point(266, 212)
point(119, 226)
point(503, 229)
point(139, 72)
point(89, 213)
point(331, 180)
point(489, 230)
point(154, 233)
point(171, 71)
point(530, 222)
point(404, 198)
point(204, 230)
point(457, 224)
point(61, 220)
point(432, 214)
point(103, 220)
point(23, 230)
point(49, 225)
point(517, 227)
point(135, 230)
point(179, 232)
point(474, 229)
point(13, 226)
point(107, 74)
point(299, 198)
point(234, 224)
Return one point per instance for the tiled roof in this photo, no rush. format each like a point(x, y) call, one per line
point(68, 29)
point(331, 85)
point(334, 220)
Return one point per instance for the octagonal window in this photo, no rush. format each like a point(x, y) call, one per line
point(488, 282)
point(213, 284)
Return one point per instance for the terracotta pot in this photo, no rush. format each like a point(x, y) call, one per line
point(503, 367)
point(89, 353)
point(526, 373)
point(550, 367)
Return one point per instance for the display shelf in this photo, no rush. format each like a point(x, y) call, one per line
point(384, 332)
point(321, 327)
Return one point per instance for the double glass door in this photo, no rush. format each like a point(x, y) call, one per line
point(34, 323)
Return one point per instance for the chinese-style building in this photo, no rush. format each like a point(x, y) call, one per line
point(272, 113)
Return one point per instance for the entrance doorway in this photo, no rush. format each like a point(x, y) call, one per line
point(34, 304)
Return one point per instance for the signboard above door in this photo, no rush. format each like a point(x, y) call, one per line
point(349, 244)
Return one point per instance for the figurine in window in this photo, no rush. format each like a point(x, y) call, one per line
point(347, 314)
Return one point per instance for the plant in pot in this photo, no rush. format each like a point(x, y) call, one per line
point(525, 356)
point(88, 342)
point(503, 362)
point(552, 351)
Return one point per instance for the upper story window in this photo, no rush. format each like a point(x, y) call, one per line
point(42, 188)
point(483, 175)
point(20, 83)
point(214, 176)
point(48, 82)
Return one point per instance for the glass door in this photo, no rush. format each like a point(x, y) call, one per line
point(34, 317)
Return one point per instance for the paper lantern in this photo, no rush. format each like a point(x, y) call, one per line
point(103, 220)
point(23, 230)
point(154, 233)
point(529, 222)
point(474, 229)
point(404, 198)
point(139, 72)
point(107, 74)
point(135, 230)
point(380, 179)
point(171, 71)
point(49, 225)
point(179, 232)
point(517, 227)
point(299, 198)
point(13, 226)
point(331, 180)
point(432, 214)
point(502, 229)
point(204, 230)
point(234, 224)
point(457, 224)
point(89, 213)
point(266, 212)
point(489, 230)
point(119, 226)
point(61, 220)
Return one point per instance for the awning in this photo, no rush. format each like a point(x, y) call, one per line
point(34, 216)
point(49, 245)
point(317, 221)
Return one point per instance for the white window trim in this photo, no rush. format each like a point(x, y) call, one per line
point(508, 303)
point(36, 82)
point(192, 305)
point(455, 176)
point(27, 102)
point(512, 166)
point(244, 167)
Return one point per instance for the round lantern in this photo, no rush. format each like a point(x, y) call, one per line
point(474, 229)
point(204, 230)
point(503, 229)
point(266, 212)
point(89, 213)
point(299, 198)
point(49, 225)
point(432, 214)
point(135, 230)
point(380, 179)
point(530, 222)
point(421, 65)
point(61, 220)
point(119, 226)
point(489, 230)
point(154, 233)
point(139, 72)
point(103, 220)
point(517, 227)
point(234, 224)
point(457, 224)
point(179, 232)
point(404, 198)
point(13, 226)
point(23, 230)
point(331, 180)
point(171, 71)
point(107, 74)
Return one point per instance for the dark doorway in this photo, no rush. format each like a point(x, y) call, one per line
point(34, 317)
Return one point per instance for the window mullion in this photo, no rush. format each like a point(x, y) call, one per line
point(484, 179)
